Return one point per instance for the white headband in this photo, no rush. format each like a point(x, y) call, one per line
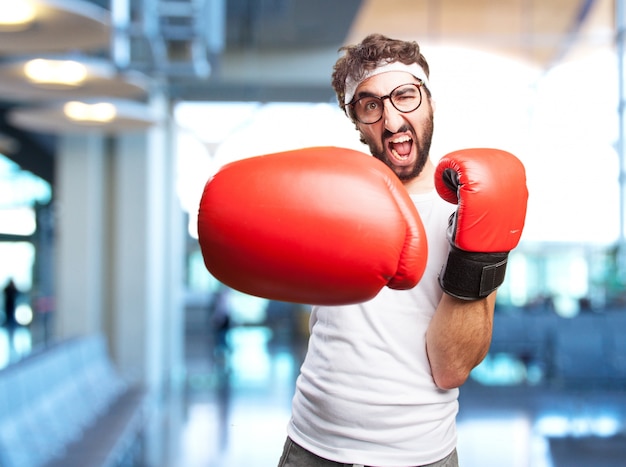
point(413, 69)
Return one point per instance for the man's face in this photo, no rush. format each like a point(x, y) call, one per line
point(400, 140)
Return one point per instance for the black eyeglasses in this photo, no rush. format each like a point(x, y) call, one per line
point(369, 109)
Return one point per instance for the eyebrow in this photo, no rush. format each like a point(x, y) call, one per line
point(362, 94)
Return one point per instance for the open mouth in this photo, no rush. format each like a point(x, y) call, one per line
point(400, 147)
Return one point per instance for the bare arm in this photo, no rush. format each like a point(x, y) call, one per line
point(458, 338)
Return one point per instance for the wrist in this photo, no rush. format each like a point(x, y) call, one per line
point(469, 275)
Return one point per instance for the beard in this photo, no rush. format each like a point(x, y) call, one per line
point(422, 144)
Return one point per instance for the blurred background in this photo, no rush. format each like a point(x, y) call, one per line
point(114, 113)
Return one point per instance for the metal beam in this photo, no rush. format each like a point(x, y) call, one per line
point(224, 92)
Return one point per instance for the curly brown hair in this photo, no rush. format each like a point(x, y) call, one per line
point(363, 57)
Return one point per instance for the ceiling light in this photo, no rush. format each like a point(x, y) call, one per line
point(110, 116)
point(55, 73)
point(90, 113)
point(17, 15)
point(102, 80)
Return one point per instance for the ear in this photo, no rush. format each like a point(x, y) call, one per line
point(433, 104)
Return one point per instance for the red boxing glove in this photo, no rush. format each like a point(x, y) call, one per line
point(319, 225)
point(489, 186)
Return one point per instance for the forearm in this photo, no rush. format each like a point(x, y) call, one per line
point(458, 338)
point(489, 187)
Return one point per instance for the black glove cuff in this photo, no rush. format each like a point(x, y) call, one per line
point(471, 276)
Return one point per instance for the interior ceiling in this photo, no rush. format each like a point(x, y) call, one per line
point(541, 32)
point(284, 50)
point(287, 24)
point(88, 24)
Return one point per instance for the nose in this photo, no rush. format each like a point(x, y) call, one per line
point(392, 117)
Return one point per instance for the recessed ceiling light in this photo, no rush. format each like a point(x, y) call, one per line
point(90, 113)
point(55, 73)
point(16, 15)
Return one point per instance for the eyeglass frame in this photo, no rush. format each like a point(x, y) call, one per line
point(352, 103)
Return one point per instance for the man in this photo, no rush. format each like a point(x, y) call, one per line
point(379, 384)
point(10, 302)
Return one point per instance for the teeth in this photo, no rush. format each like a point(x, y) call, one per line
point(401, 139)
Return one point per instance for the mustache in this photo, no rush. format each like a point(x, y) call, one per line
point(403, 129)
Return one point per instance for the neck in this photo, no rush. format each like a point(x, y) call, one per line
point(424, 182)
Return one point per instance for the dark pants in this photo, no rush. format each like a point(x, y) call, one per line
point(297, 456)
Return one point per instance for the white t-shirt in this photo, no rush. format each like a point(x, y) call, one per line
point(365, 393)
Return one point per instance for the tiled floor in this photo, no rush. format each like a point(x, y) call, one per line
point(237, 406)
point(233, 409)
point(243, 424)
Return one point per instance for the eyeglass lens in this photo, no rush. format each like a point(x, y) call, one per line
point(405, 98)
